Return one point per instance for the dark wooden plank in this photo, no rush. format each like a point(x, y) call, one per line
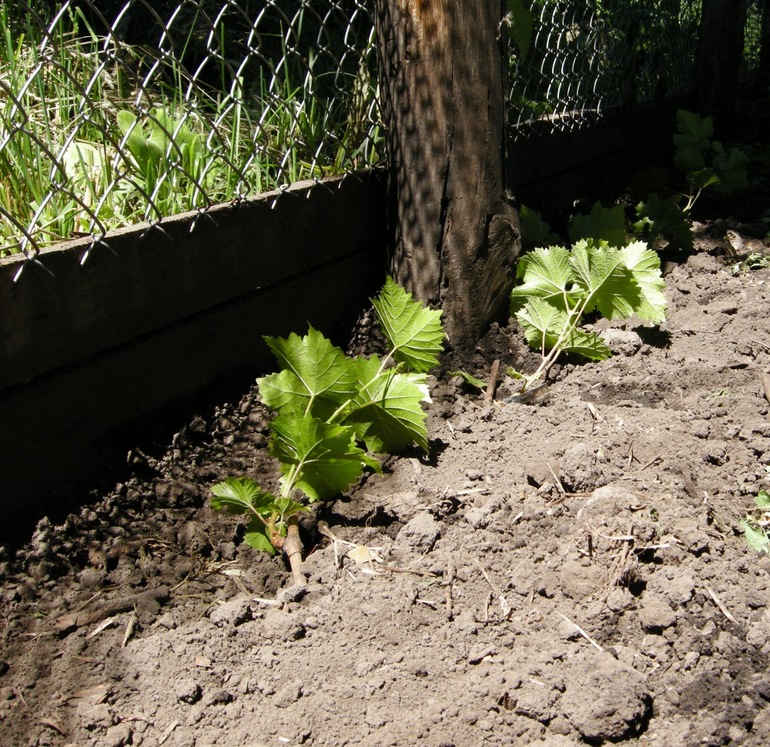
point(158, 277)
point(61, 426)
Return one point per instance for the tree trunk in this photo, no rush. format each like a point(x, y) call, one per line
point(720, 53)
point(455, 240)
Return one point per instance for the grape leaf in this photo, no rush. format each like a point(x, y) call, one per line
point(601, 224)
point(762, 500)
point(520, 26)
point(644, 266)
point(663, 217)
point(731, 169)
point(414, 331)
point(534, 230)
point(756, 539)
point(324, 456)
point(543, 324)
point(386, 411)
point(605, 279)
point(692, 141)
point(316, 375)
point(242, 494)
point(546, 274)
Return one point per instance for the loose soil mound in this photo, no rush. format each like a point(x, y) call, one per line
point(567, 571)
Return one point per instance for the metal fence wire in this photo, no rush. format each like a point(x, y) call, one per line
point(114, 112)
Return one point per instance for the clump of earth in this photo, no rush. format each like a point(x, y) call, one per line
point(561, 572)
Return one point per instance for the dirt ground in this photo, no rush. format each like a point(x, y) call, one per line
point(567, 571)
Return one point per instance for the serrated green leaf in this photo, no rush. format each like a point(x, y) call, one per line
point(762, 500)
point(256, 537)
point(520, 26)
point(545, 273)
point(324, 457)
point(542, 323)
point(603, 275)
point(316, 375)
point(414, 332)
point(601, 224)
point(663, 217)
point(469, 379)
point(731, 167)
point(535, 231)
point(756, 539)
point(692, 140)
point(644, 266)
point(242, 494)
point(587, 344)
point(386, 412)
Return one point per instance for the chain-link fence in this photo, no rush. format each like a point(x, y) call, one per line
point(122, 111)
point(119, 111)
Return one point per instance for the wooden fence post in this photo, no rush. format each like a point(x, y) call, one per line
point(455, 240)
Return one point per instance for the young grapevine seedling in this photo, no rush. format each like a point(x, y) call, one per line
point(332, 413)
point(560, 286)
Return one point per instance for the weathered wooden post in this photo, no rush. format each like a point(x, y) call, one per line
point(455, 240)
point(720, 52)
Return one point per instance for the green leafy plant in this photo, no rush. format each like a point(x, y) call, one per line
point(754, 261)
point(333, 413)
point(560, 286)
point(756, 525)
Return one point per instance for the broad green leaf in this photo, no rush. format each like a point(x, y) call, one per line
point(534, 230)
point(256, 537)
point(136, 142)
point(756, 539)
point(545, 273)
point(543, 324)
point(242, 494)
point(692, 140)
point(324, 457)
point(316, 375)
point(587, 344)
point(731, 168)
point(644, 266)
point(469, 379)
point(520, 26)
point(663, 217)
point(762, 500)
point(414, 332)
point(702, 178)
point(601, 224)
point(605, 279)
point(386, 412)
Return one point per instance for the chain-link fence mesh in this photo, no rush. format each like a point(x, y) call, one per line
point(116, 112)
point(581, 60)
point(119, 111)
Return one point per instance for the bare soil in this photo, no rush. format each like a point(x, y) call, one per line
point(567, 571)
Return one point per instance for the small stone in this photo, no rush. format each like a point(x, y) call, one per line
point(290, 693)
point(420, 532)
point(282, 626)
point(187, 690)
point(232, 613)
point(117, 736)
point(655, 615)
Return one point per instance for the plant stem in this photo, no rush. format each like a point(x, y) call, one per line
point(293, 547)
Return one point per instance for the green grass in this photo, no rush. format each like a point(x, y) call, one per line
point(91, 140)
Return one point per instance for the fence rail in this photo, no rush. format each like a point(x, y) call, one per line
point(114, 112)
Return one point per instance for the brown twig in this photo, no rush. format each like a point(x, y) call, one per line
point(489, 395)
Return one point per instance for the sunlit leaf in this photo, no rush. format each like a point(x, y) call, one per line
point(414, 331)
